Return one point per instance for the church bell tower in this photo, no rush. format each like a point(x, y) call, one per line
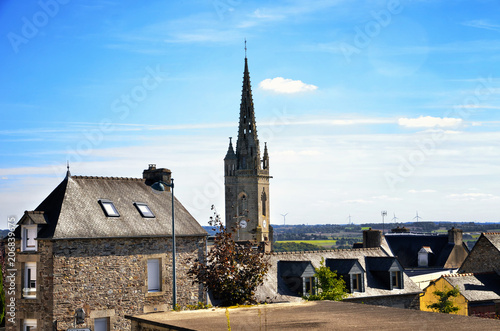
point(246, 177)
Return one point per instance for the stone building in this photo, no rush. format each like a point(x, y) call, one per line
point(372, 276)
point(98, 248)
point(246, 178)
point(485, 256)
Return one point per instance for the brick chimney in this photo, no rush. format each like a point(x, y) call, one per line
point(455, 236)
point(372, 238)
point(153, 175)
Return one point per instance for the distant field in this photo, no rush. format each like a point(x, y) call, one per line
point(324, 243)
point(365, 228)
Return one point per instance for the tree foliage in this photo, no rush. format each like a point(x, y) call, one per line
point(445, 304)
point(330, 286)
point(232, 271)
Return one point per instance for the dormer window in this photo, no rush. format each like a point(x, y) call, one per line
point(144, 210)
point(28, 234)
point(109, 208)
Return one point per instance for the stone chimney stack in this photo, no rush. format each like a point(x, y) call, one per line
point(455, 236)
point(372, 238)
point(153, 175)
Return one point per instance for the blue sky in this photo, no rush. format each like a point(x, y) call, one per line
point(365, 105)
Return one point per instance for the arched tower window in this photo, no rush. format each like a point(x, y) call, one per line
point(263, 199)
point(242, 204)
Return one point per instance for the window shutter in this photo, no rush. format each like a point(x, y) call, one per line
point(153, 275)
point(101, 324)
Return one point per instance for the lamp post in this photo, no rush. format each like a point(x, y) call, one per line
point(160, 186)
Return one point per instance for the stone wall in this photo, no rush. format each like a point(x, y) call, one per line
point(108, 278)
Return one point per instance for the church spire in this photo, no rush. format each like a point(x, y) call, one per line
point(247, 146)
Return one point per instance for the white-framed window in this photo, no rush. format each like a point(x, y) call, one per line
point(29, 284)
point(396, 279)
point(28, 237)
point(154, 275)
point(101, 324)
point(357, 285)
point(29, 325)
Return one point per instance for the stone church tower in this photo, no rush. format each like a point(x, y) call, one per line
point(247, 178)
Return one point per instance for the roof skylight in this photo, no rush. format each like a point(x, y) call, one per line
point(144, 210)
point(109, 208)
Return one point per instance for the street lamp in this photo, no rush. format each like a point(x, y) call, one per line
point(161, 186)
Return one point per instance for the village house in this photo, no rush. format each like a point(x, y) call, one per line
point(479, 293)
point(371, 275)
point(485, 256)
point(98, 248)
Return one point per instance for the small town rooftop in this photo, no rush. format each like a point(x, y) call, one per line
point(317, 315)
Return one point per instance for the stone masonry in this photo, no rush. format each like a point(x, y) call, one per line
point(106, 277)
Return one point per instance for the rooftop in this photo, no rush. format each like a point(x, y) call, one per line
point(316, 315)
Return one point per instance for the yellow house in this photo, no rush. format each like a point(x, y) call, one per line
point(479, 293)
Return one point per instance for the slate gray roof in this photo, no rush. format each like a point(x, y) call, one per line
point(406, 247)
point(72, 210)
point(494, 238)
point(476, 287)
point(275, 290)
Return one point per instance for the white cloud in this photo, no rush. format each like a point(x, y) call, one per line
point(429, 122)
point(472, 196)
point(421, 191)
point(482, 24)
point(285, 85)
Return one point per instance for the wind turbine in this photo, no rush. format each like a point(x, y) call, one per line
point(417, 217)
point(284, 217)
point(395, 218)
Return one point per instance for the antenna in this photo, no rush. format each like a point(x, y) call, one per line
point(245, 48)
point(417, 217)
point(384, 214)
point(349, 218)
point(284, 217)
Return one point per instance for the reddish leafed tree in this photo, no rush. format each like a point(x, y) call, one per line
point(232, 271)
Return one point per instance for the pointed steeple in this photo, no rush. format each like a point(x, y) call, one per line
point(247, 146)
point(265, 158)
point(230, 151)
point(68, 173)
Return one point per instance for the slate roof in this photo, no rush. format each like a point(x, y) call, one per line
point(72, 210)
point(296, 268)
point(494, 238)
point(342, 266)
point(476, 287)
point(275, 290)
point(406, 247)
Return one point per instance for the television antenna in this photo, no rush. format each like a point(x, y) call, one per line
point(417, 217)
point(284, 217)
point(349, 218)
point(384, 214)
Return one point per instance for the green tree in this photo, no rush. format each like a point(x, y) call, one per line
point(232, 271)
point(330, 286)
point(445, 304)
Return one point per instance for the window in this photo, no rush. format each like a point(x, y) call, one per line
point(29, 325)
point(396, 279)
point(264, 200)
point(109, 208)
point(29, 233)
point(144, 210)
point(29, 288)
point(154, 275)
point(356, 283)
point(101, 324)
